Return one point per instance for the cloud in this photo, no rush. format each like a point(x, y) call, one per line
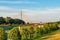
point(5, 8)
point(8, 9)
point(46, 15)
point(18, 2)
point(35, 15)
point(44, 11)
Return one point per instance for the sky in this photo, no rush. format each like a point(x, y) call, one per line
point(33, 10)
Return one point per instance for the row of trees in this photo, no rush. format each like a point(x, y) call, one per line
point(9, 20)
point(31, 32)
point(2, 34)
point(28, 32)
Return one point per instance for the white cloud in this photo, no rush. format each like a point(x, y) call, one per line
point(35, 15)
point(5, 14)
point(5, 8)
point(43, 15)
point(8, 9)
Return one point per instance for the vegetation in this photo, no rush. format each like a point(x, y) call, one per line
point(14, 34)
point(2, 34)
point(9, 20)
point(24, 32)
point(31, 32)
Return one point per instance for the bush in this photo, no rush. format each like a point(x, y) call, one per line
point(2, 34)
point(23, 33)
point(37, 32)
point(14, 34)
point(47, 28)
point(29, 32)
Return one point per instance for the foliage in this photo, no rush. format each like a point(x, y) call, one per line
point(2, 34)
point(9, 20)
point(14, 34)
point(31, 32)
point(2, 20)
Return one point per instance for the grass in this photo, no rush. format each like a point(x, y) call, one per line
point(48, 35)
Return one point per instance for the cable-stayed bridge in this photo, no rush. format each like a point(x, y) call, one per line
point(22, 16)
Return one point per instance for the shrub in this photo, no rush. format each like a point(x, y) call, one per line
point(14, 34)
point(2, 34)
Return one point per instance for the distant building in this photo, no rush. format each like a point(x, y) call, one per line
point(41, 25)
point(38, 25)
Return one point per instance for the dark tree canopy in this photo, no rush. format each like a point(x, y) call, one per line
point(18, 21)
point(9, 20)
point(2, 20)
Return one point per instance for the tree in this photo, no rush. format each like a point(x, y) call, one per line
point(2, 34)
point(18, 21)
point(2, 20)
point(23, 32)
point(27, 33)
point(7, 19)
point(46, 26)
point(14, 34)
point(31, 32)
point(37, 32)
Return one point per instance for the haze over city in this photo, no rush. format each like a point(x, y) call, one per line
point(41, 10)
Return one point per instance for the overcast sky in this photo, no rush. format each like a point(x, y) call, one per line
point(34, 10)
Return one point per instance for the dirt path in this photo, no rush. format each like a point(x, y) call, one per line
point(55, 36)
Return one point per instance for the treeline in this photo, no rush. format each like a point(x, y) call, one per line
point(9, 20)
point(32, 32)
point(28, 32)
